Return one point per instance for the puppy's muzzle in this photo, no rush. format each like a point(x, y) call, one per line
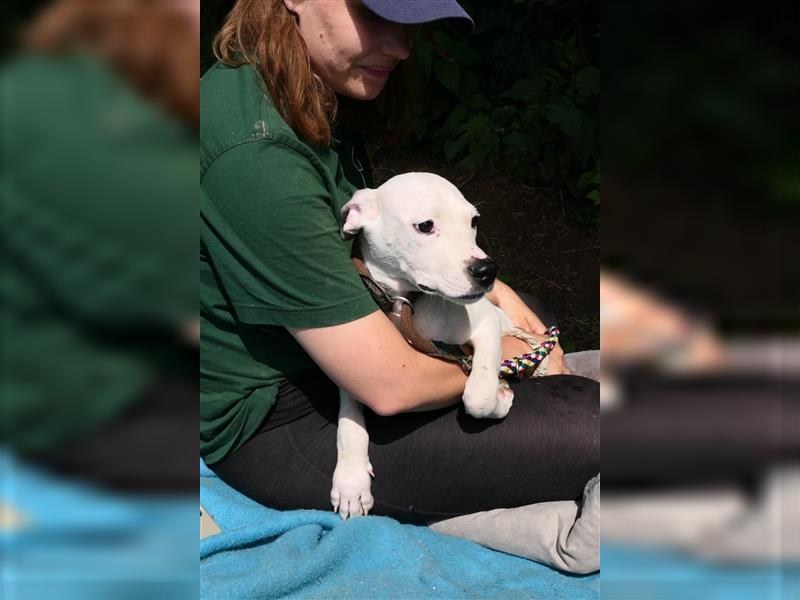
point(483, 271)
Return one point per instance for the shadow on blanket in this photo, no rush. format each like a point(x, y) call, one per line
point(264, 553)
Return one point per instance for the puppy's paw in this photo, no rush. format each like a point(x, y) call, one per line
point(505, 398)
point(350, 494)
point(488, 402)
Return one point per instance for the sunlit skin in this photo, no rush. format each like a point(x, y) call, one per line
point(351, 48)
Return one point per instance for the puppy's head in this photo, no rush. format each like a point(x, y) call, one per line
point(418, 228)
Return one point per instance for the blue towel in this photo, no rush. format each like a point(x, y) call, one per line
point(80, 541)
point(264, 553)
point(640, 571)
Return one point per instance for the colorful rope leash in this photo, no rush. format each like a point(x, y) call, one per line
point(523, 366)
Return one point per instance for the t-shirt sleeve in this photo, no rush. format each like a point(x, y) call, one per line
point(270, 230)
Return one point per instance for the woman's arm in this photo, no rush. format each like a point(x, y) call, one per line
point(510, 303)
point(370, 360)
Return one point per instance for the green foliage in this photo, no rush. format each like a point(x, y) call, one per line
point(522, 92)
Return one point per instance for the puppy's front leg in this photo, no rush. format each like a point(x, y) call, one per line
point(485, 396)
point(350, 494)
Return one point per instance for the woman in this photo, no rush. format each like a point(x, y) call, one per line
point(286, 319)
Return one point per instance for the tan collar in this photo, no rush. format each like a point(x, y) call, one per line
point(401, 311)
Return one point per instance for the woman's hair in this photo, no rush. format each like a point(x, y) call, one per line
point(264, 34)
point(148, 42)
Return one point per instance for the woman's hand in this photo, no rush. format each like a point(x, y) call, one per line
point(510, 303)
point(523, 317)
point(513, 347)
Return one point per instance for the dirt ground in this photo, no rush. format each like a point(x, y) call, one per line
point(544, 244)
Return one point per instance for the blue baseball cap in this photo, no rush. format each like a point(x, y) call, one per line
point(413, 12)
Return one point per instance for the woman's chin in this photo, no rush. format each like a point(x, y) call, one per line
point(362, 89)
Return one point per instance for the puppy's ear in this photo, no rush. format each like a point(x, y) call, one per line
point(360, 211)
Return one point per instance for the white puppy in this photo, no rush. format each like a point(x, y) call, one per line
point(417, 233)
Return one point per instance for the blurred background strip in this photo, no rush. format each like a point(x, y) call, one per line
point(98, 238)
point(700, 317)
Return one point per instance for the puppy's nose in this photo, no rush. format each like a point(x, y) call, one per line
point(484, 271)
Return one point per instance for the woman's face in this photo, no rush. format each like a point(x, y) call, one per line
point(351, 49)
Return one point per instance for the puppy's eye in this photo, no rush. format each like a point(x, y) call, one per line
point(475, 222)
point(424, 227)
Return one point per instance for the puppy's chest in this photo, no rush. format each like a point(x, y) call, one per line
point(442, 321)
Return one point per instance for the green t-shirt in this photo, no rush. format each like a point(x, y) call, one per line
point(271, 256)
point(97, 241)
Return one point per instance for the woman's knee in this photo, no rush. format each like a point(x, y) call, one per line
point(564, 407)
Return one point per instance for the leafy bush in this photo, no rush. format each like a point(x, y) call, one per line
point(521, 92)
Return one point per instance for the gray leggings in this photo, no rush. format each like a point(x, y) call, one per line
point(585, 364)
